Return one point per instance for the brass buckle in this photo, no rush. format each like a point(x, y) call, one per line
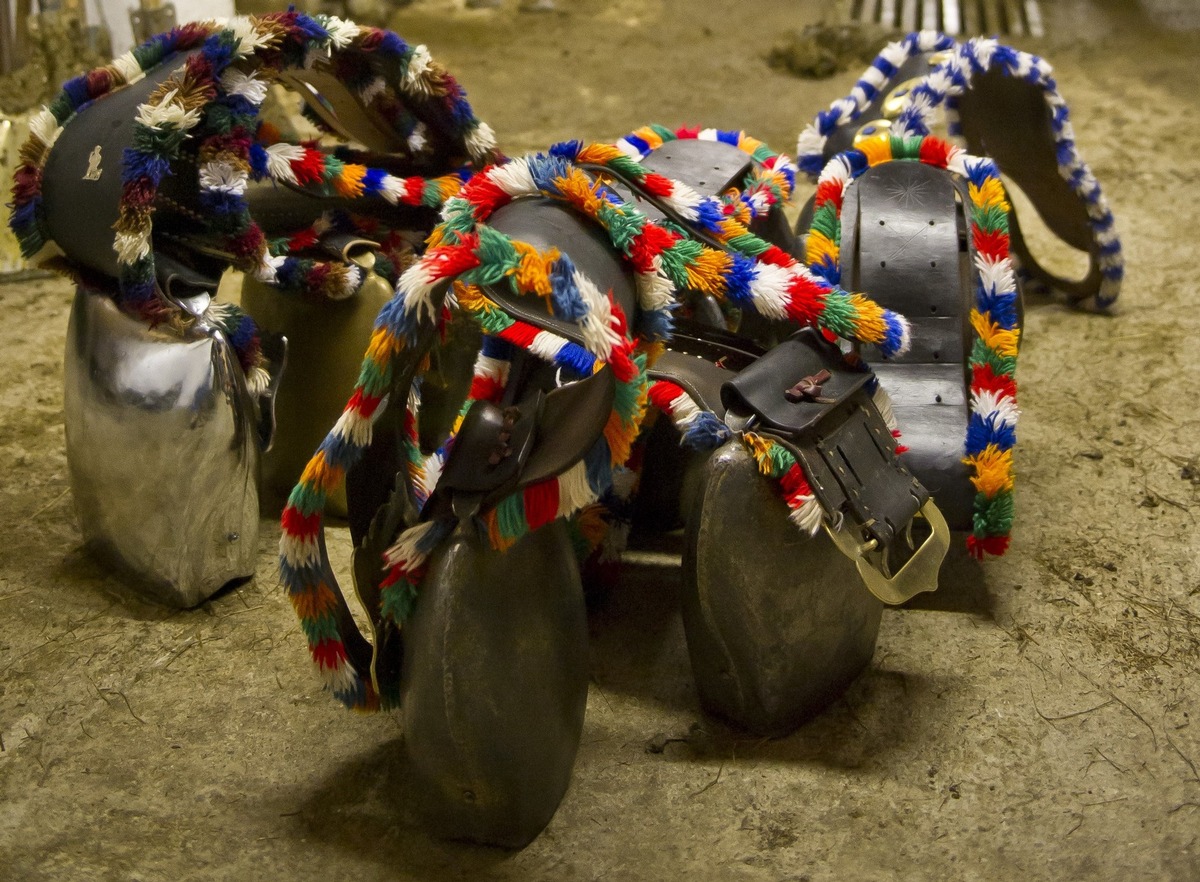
point(919, 573)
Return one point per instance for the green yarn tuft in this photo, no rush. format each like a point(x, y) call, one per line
point(323, 627)
point(991, 219)
point(982, 354)
point(749, 244)
point(510, 516)
point(905, 148)
point(676, 258)
point(307, 499)
point(375, 379)
point(839, 314)
point(61, 108)
point(397, 600)
point(623, 227)
point(993, 517)
point(825, 221)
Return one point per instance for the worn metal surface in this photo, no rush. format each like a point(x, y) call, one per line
point(777, 624)
point(163, 452)
point(495, 684)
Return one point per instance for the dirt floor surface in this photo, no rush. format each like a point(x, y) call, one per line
point(1037, 718)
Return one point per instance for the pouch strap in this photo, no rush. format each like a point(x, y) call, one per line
point(806, 396)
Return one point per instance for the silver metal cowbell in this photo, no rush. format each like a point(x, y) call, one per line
point(163, 451)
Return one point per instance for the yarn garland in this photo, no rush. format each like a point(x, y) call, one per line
point(217, 93)
point(770, 181)
point(779, 464)
point(759, 277)
point(471, 255)
point(991, 431)
point(699, 429)
point(941, 87)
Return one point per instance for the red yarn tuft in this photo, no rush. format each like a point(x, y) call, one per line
point(309, 168)
point(541, 503)
point(978, 546)
point(484, 196)
point(984, 378)
point(829, 191)
point(650, 243)
point(298, 525)
point(994, 243)
point(662, 393)
point(935, 152)
point(657, 185)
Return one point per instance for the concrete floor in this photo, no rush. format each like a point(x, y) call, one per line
point(1033, 719)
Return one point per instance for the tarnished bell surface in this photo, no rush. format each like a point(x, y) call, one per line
point(495, 685)
point(778, 624)
point(326, 342)
point(162, 451)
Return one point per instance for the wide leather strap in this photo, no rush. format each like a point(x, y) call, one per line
point(904, 240)
point(804, 393)
point(991, 113)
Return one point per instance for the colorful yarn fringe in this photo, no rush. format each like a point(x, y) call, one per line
point(699, 429)
point(777, 463)
point(769, 182)
point(211, 107)
point(991, 432)
point(941, 87)
point(471, 255)
point(752, 275)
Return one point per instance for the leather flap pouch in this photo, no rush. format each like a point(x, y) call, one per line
point(796, 384)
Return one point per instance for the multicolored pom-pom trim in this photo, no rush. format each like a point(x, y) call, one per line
point(752, 274)
point(941, 87)
point(213, 102)
point(770, 181)
point(472, 256)
point(991, 431)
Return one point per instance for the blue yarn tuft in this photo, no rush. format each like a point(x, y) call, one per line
point(983, 431)
point(1002, 305)
point(136, 164)
point(706, 433)
point(742, 271)
point(575, 358)
point(77, 90)
point(565, 297)
point(373, 180)
point(598, 464)
point(640, 145)
point(656, 324)
point(258, 161)
point(893, 337)
point(497, 348)
point(568, 150)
